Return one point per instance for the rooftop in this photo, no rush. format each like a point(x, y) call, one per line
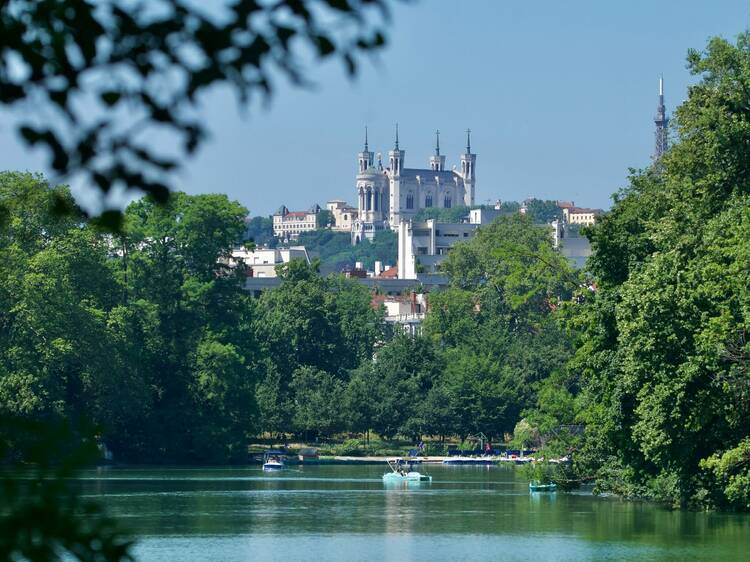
point(390, 273)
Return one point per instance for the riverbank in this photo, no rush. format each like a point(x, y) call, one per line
point(371, 460)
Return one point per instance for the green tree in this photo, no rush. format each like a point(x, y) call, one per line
point(326, 324)
point(336, 252)
point(663, 341)
point(317, 401)
point(497, 324)
point(543, 212)
point(405, 370)
point(259, 230)
point(359, 407)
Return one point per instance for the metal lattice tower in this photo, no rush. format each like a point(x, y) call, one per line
point(661, 121)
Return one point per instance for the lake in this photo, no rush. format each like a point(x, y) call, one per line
point(345, 513)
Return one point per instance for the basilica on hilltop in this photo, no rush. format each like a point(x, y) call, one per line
point(389, 195)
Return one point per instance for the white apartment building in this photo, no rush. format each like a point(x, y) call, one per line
point(404, 312)
point(262, 262)
point(423, 245)
point(483, 216)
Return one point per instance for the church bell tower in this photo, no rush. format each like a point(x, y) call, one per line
point(437, 160)
point(468, 171)
point(365, 157)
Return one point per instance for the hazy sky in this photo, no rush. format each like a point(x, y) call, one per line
point(560, 97)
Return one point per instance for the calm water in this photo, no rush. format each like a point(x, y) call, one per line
point(332, 513)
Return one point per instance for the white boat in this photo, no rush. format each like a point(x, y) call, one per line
point(398, 474)
point(273, 460)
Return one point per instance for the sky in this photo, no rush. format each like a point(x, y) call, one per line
point(560, 98)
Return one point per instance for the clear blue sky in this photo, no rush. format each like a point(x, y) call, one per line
point(560, 97)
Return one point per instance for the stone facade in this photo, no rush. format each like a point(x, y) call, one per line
point(343, 215)
point(579, 215)
point(386, 196)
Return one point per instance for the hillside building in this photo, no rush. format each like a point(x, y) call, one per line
point(403, 312)
point(288, 225)
point(580, 215)
point(484, 215)
point(386, 196)
point(343, 215)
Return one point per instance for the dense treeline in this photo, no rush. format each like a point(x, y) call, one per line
point(146, 333)
point(661, 373)
point(141, 332)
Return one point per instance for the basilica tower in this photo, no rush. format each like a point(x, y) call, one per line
point(365, 157)
point(437, 160)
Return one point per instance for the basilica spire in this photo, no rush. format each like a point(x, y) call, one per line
point(468, 141)
point(661, 121)
point(437, 160)
point(365, 157)
point(396, 146)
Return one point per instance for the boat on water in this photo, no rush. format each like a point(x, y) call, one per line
point(399, 474)
point(536, 486)
point(273, 460)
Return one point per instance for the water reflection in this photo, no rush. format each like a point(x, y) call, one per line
point(349, 506)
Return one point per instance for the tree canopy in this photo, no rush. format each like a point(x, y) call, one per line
point(663, 359)
point(113, 75)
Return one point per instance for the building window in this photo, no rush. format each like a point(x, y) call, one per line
point(447, 202)
point(410, 201)
point(428, 200)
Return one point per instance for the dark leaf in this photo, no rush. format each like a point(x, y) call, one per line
point(110, 220)
point(110, 97)
point(324, 44)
